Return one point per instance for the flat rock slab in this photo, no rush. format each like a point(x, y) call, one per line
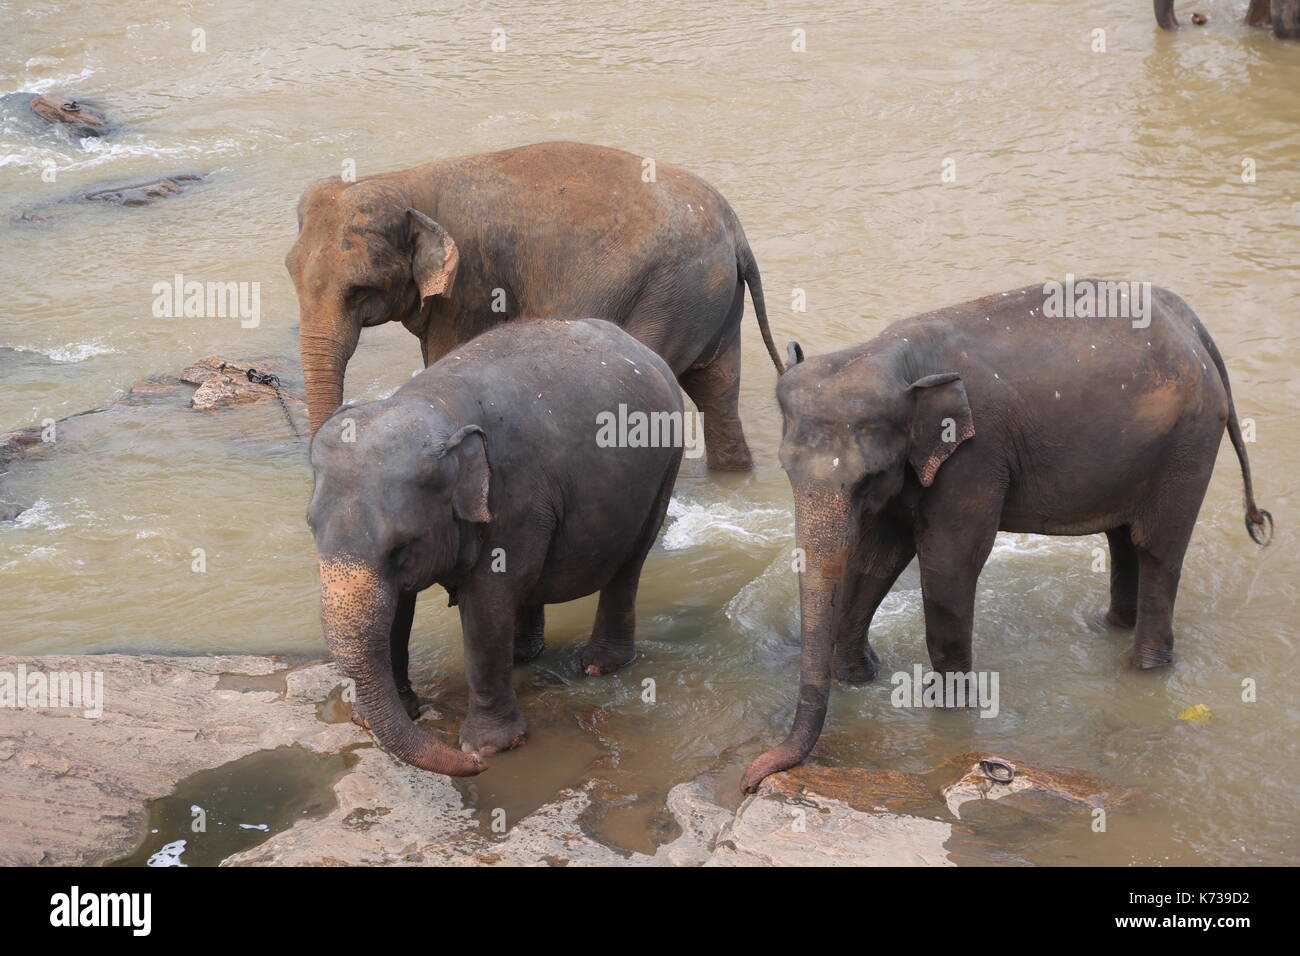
point(73, 789)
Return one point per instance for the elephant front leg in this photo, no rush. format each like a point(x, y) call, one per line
point(493, 724)
point(530, 631)
point(951, 562)
point(890, 550)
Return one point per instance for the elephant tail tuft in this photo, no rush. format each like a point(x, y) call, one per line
point(1259, 523)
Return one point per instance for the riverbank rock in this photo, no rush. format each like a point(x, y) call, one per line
point(1035, 792)
point(76, 789)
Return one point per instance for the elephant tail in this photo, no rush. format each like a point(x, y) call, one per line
point(749, 272)
point(1259, 523)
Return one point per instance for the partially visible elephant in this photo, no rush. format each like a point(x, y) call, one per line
point(1282, 15)
point(553, 230)
point(78, 119)
point(992, 416)
point(487, 474)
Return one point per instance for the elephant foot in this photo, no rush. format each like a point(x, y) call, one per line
point(598, 659)
point(858, 671)
point(730, 459)
point(488, 735)
point(1147, 658)
point(529, 651)
point(1123, 619)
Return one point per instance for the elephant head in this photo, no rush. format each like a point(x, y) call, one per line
point(80, 119)
point(364, 256)
point(853, 424)
point(398, 491)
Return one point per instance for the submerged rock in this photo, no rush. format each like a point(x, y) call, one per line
point(222, 383)
point(1034, 792)
point(74, 118)
point(138, 192)
point(269, 413)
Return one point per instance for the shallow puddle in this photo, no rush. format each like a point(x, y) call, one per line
point(225, 810)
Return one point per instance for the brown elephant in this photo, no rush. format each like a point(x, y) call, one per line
point(1282, 15)
point(553, 230)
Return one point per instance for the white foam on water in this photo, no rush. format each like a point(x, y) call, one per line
point(170, 855)
point(40, 515)
point(73, 352)
point(695, 523)
point(49, 83)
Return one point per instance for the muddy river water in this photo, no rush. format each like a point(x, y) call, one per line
point(911, 156)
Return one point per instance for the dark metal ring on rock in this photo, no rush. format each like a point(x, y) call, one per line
point(999, 771)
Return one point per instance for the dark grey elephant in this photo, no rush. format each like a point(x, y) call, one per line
point(994, 416)
point(486, 474)
point(554, 230)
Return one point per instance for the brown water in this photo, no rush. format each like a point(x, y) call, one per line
point(1127, 162)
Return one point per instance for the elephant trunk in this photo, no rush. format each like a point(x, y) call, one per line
point(1165, 18)
point(822, 521)
point(357, 609)
point(325, 352)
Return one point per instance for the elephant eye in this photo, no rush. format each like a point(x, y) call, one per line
point(367, 304)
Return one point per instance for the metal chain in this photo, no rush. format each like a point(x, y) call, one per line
point(273, 382)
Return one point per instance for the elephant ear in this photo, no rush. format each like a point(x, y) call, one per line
point(434, 256)
point(469, 490)
point(941, 421)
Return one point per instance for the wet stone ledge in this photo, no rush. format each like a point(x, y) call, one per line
point(79, 790)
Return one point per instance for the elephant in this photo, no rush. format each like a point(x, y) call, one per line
point(486, 474)
point(1282, 15)
point(996, 415)
point(552, 230)
point(78, 119)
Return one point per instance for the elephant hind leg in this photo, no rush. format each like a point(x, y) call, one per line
point(1160, 538)
point(1123, 578)
point(715, 390)
point(613, 636)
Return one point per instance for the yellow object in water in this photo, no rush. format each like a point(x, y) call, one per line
point(1197, 714)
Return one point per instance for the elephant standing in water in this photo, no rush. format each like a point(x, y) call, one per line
point(554, 230)
point(486, 474)
point(990, 416)
point(1282, 15)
